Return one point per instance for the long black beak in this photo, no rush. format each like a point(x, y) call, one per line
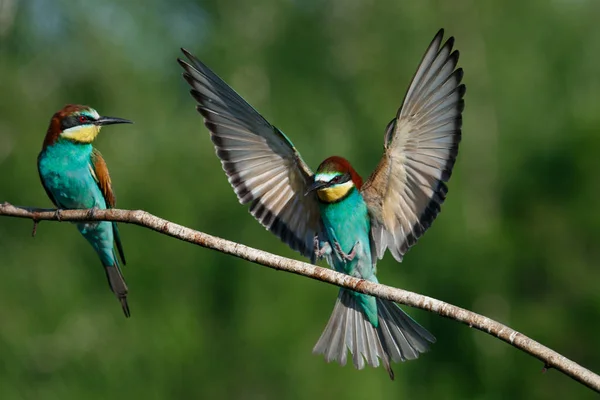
point(315, 186)
point(111, 121)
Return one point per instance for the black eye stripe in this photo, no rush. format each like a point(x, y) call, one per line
point(69, 122)
point(341, 178)
point(73, 120)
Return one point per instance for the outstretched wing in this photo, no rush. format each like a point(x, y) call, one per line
point(262, 165)
point(405, 192)
point(100, 173)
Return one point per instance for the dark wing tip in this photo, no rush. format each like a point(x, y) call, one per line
point(459, 122)
point(453, 58)
point(187, 53)
point(449, 43)
point(459, 74)
point(462, 88)
point(187, 75)
point(184, 64)
point(436, 42)
point(125, 306)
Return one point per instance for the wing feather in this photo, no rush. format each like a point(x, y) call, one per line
point(261, 164)
point(405, 192)
point(99, 171)
point(48, 191)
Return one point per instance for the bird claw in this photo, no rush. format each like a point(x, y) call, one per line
point(346, 257)
point(92, 212)
point(320, 251)
point(546, 368)
point(58, 214)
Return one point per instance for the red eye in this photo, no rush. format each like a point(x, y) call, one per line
point(82, 118)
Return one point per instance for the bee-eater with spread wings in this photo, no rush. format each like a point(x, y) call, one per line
point(332, 213)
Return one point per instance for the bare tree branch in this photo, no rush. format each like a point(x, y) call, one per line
point(549, 357)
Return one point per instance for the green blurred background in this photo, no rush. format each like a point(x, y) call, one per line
point(516, 240)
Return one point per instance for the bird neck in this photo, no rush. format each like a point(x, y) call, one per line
point(68, 151)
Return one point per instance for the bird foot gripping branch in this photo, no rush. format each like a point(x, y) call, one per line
point(349, 256)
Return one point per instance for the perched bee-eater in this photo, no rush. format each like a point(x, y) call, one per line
point(331, 213)
point(75, 175)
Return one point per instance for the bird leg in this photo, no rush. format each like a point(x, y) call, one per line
point(320, 251)
point(346, 257)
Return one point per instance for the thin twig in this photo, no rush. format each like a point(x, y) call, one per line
point(549, 357)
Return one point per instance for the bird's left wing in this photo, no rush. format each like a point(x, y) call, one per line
point(99, 172)
point(405, 192)
point(262, 165)
point(48, 191)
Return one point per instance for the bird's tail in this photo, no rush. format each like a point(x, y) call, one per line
point(118, 286)
point(397, 338)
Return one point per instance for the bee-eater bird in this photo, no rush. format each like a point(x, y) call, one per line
point(331, 213)
point(75, 176)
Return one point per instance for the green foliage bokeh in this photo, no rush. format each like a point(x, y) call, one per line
point(516, 240)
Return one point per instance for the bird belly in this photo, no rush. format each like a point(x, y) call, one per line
point(347, 223)
point(65, 170)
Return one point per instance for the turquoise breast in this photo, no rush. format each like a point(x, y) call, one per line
point(347, 222)
point(65, 169)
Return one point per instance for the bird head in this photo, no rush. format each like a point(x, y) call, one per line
point(334, 180)
point(79, 124)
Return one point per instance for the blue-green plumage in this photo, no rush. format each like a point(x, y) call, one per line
point(347, 223)
point(65, 168)
point(75, 176)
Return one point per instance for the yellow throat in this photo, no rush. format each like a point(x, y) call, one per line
point(334, 193)
point(82, 133)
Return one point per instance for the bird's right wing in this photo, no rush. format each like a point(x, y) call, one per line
point(99, 172)
point(262, 165)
